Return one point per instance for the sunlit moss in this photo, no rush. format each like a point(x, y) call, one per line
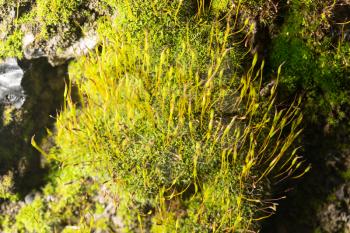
point(12, 46)
point(170, 122)
point(7, 187)
point(30, 218)
point(157, 123)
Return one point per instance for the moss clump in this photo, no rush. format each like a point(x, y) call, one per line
point(170, 123)
point(7, 187)
point(66, 18)
point(220, 6)
point(30, 218)
point(10, 32)
point(315, 61)
point(298, 59)
point(12, 46)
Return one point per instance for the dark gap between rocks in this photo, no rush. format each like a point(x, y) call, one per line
point(299, 212)
point(43, 87)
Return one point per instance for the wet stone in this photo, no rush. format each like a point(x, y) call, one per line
point(11, 91)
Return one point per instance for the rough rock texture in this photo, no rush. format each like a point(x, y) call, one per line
point(47, 34)
point(335, 216)
point(109, 204)
point(56, 56)
point(11, 91)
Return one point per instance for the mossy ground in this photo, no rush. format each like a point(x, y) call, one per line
point(168, 122)
point(171, 122)
point(313, 46)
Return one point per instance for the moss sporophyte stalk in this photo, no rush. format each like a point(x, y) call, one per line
point(170, 132)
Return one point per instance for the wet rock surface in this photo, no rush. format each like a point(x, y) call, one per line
point(11, 91)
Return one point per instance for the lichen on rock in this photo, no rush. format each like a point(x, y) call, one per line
point(335, 215)
point(38, 29)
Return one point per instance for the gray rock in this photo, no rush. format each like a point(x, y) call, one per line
point(29, 49)
point(58, 56)
point(78, 48)
point(29, 198)
point(11, 91)
point(62, 40)
point(335, 215)
point(265, 91)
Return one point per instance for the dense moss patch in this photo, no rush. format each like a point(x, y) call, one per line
point(315, 59)
point(171, 133)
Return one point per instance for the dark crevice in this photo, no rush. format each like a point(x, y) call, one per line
point(44, 87)
point(299, 211)
point(321, 147)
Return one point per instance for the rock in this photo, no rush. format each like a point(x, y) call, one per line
point(110, 203)
point(30, 197)
point(11, 91)
point(58, 41)
point(57, 56)
point(335, 215)
point(29, 50)
point(79, 48)
point(83, 46)
point(265, 91)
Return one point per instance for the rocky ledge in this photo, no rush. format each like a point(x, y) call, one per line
point(57, 37)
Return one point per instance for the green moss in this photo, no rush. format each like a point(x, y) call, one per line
point(57, 11)
point(346, 175)
point(312, 65)
point(55, 15)
point(153, 118)
point(7, 187)
point(12, 46)
point(219, 6)
point(297, 60)
point(30, 218)
point(169, 122)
